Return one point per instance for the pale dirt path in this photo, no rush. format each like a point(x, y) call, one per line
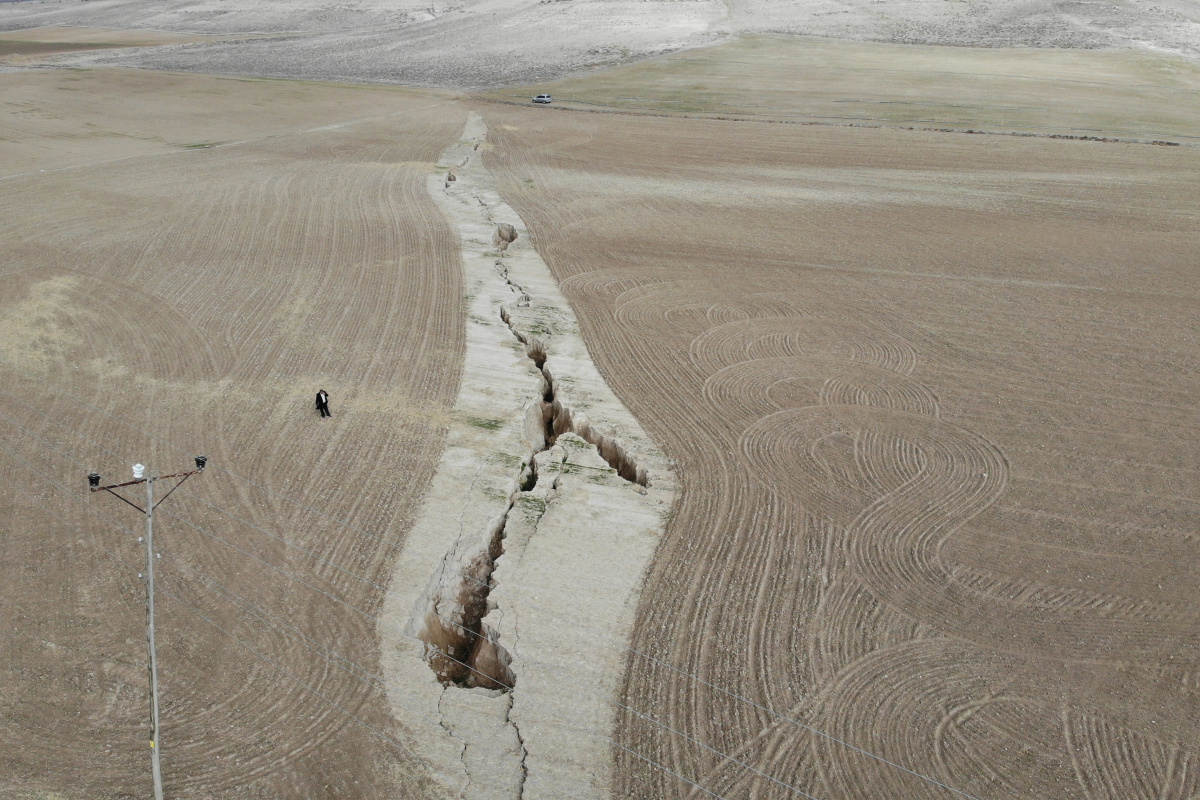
point(520, 580)
point(933, 402)
point(156, 308)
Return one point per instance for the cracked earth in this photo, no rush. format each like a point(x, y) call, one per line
point(540, 522)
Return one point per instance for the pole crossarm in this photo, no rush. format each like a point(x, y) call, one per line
point(184, 475)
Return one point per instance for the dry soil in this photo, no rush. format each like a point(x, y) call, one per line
point(932, 398)
point(174, 287)
point(1128, 94)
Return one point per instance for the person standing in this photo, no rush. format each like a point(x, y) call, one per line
point(323, 403)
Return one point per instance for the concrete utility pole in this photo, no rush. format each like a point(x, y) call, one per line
point(155, 763)
point(139, 476)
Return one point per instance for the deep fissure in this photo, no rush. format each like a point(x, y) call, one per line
point(502, 511)
point(465, 651)
point(557, 418)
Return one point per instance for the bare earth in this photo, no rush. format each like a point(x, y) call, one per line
point(929, 397)
point(1125, 94)
point(180, 301)
point(933, 401)
point(41, 45)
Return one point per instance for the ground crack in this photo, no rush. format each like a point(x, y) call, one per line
point(523, 298)
point(461, 648)
point(524, 753)
point(462, 753)
point(558, 418)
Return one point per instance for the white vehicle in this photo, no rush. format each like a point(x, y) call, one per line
point(543, 98)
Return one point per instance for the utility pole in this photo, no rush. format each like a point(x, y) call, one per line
point(155, 740)
point(139, 476)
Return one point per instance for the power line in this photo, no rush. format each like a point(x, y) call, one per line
point(617, 703)
point(473, 669)
point(215, 467)
point(301, 683)
point(213, 536)
point(92, 538)
point(379, 622)
point(269, 565)
point(293, 546)
point(610, 641)
point(350, 714)
point(315, 646)
point(589, 732)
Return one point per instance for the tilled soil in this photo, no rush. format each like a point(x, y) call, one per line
point(174, 302)
point(932, 400)
point(1121, 94)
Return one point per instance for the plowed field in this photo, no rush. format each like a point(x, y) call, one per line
point(160, 301)
point(933, 402)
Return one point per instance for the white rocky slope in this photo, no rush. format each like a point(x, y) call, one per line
point(482, 43)
point(463, 43)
